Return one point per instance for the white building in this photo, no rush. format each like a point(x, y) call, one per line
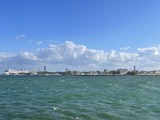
point(15, 72)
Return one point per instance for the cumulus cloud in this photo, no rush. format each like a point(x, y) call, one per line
point(19, 58)
point(150, 55)
point(20, 37)
point(70, 53)
point(79, 57)
point(27, 56)
point(155, 51)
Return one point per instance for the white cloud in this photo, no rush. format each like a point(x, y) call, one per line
point(79, 57)
point(28, 56)
point(39, 42)
point(20, 37)
point(70, 53)
point(150, 51)
point(125, 48)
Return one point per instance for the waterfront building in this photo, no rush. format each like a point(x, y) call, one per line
point(15, 72)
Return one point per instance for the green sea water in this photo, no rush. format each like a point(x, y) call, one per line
point(79, 98)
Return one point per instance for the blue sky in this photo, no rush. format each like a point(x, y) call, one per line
point(124, 26)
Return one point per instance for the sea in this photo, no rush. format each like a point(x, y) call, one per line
point(79, 98)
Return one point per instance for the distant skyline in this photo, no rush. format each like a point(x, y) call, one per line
point(79, 34)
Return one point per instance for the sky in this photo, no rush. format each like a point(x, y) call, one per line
point(79, 34)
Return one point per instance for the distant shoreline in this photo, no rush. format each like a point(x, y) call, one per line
point(81, 75)
point(118, 72)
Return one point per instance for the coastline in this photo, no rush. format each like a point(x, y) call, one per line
point(118, 72)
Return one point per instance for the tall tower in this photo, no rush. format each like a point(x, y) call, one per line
point(134, 68)
point(44, 68)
